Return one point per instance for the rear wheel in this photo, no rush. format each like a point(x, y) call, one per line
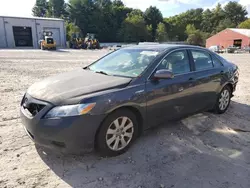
point(223, 100)
point(117, 133)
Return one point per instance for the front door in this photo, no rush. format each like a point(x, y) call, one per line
point(171, 98)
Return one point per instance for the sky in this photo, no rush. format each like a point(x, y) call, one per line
point(167, 7)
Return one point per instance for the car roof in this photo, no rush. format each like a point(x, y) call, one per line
point(162, 47)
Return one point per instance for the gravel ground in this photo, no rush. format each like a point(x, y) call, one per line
point(204, 150)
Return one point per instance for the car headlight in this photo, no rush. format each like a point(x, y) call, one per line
point(69, 110)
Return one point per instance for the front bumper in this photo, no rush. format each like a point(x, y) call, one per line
point(69, 134)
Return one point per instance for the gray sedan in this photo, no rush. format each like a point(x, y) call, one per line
point(109, 103)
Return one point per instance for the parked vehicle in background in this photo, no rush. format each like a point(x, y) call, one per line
point(247, 49)
point(232, 49)
point(216, 49)
point(47, 42)
point(109, 103)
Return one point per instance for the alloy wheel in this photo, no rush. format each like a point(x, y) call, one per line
point(119, 133)
point(224, 99)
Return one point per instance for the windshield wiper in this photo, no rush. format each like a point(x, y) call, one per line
point(101, 72)
point(86, 68)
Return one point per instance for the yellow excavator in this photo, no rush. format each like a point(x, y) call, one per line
point(89, 42)
point(47, 42)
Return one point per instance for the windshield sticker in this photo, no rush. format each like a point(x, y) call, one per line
point(149, 53)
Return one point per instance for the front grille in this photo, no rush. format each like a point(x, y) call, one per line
point(34, 108)
point(50, 41)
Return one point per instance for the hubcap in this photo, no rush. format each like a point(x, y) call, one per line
point(224, 100)
point(120, 133)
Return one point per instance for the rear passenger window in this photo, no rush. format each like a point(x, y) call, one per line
point(217, 62)
point(177, 62)
point(202, 60)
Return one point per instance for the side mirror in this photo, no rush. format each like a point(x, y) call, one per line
point(163, 74)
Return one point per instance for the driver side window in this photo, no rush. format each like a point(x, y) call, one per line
point(177, 62)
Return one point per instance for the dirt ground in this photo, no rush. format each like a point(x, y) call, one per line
point(205, 150)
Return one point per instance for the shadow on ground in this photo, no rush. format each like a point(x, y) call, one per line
point(204, 150)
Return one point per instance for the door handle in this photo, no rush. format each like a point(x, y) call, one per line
point(190, 79)
point(181, 89)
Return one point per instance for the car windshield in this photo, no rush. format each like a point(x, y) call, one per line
point(125, 62)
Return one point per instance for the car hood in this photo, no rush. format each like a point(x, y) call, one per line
point(60, 88)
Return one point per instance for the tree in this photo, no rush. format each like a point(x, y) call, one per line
point(56, 8)
point(84, 14)
point(161, 33)
point(190, 29)
point(235, 12)
point(153, 16)
point(134, 28)
point(149, 31)
point(118, 3)
point(119, 15)
point(245, 24)
point(192, 16)
point(196, 36)
point(70, 30)
point(206, 24)
point(195, 39)
point(217, 15)
point(40, 8)
point(223, 24)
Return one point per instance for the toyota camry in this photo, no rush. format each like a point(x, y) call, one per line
point(108, 104)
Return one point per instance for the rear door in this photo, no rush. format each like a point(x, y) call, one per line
point(208, 74)
point(171, 98)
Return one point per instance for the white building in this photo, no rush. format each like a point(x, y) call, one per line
point(16, 32)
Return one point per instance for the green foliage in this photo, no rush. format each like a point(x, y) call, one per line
point(190, 29)
point(149, 31)
point(56, 8)
point(40, 8)
point(245, 24)
point(161, 33)
point(112, 21)
point(207, 22)
point(134, 28)
point(118, 3)
point(153, 16)
point(223, 24)
point(235, 12)
point(71, 29)
point(196, 36)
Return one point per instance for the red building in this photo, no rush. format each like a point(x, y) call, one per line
point(229, 37)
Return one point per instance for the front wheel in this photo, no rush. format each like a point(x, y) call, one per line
point(223, 100)
point(117, 133)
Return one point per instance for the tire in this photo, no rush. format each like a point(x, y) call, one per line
point(118, 141)
point(223, 100)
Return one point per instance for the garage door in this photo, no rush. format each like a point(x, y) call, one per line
point(22, 36)
point(56, 35)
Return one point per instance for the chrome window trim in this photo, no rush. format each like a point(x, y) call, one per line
point(211, 58)
point(190, 48)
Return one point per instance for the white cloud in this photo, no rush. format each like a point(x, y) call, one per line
point(144, 4)
point(16, 7)
point(183, 1)
point(222, 2)
point(246, 3)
